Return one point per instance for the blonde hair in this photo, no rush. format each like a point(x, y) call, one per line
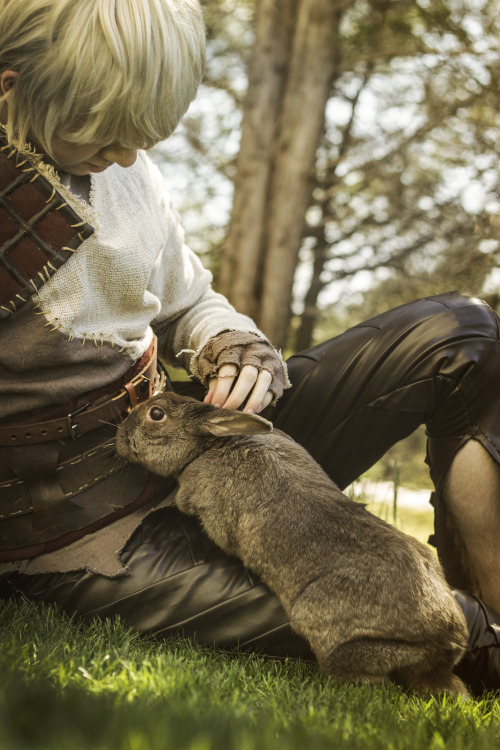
point(100, 71)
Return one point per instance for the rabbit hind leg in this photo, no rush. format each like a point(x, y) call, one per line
point(431, 673)
point(378, 661)
point(435, 681)
point(364, 660)
point(360, 679)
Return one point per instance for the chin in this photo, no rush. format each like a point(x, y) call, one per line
point(77, 171)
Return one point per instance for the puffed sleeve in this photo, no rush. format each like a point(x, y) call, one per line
point(191, 311)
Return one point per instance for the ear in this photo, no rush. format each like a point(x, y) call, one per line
point(224, 423)
point(7, 80)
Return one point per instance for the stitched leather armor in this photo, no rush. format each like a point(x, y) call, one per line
point(59, 475)
point(39, 231)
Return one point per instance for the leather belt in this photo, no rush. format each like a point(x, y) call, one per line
point(87, 417)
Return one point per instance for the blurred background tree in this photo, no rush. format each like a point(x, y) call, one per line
point(342, 158)
point(403, 191)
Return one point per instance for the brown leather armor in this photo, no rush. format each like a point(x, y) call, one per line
point(39, 231)
point(59, 475)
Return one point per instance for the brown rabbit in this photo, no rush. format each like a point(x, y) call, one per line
point(372, 602)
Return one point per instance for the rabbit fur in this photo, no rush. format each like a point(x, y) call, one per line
point(372, 602)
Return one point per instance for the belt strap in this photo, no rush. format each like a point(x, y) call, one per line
point(87, 417)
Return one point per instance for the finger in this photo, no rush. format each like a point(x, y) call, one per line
point(244, 384)
point(220, 387)
point(211, 388)
point(267, 400)
point(256, 402)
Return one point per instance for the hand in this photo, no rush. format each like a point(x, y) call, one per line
point(249, 381)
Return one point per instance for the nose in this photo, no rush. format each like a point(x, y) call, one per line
point(124, 157)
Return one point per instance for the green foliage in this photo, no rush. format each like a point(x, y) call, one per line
point(100, 686)
point(406, 188)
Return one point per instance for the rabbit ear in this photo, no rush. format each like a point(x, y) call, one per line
point(226, 423)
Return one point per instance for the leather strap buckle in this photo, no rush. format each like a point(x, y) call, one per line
point(138, 387)
point(72, 427)
point(92, 415)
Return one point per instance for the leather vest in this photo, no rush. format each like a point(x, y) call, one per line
point(39, 231)
point(60, 477)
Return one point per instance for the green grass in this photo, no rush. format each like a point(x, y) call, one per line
point(99, 686)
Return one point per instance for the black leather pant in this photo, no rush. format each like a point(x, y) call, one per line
point(434, 361)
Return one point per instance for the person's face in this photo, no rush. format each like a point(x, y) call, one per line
point(75, 158)
point(83, 159)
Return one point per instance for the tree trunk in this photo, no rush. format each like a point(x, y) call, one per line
point(308, 319)
point(290, 81)
point(241, 269)
point(302, 117)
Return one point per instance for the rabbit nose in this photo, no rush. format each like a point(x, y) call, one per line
point(156, 413)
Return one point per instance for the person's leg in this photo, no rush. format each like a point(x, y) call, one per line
point(435, 361)
point(180, 582)
point(431, 361)
point(471, 496)
point(480, 667)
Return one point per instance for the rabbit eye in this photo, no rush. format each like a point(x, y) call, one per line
point(156, 413)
